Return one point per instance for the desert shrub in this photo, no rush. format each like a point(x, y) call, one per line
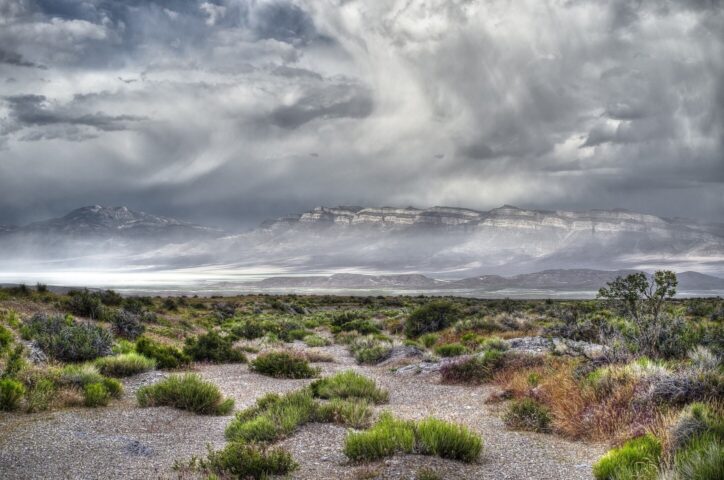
point(369, 350)
point(695, 420)
point(451, 350)
point(212, 347)
point(349, 384)
point(345, 338)
point(431, 317)
point(6, 338)
point(123, 346)
point(477, 369)
point(125, 365)
point(127, 324)
point(85, 304)
point(79, 375)
point(636, 459)
point(283, 364)
point(11, 392)
point(66, 340)
point(14, 363)
point(352, 413)
point(494, 343)
point(320, 357)
point(527, 414)
point(316, 341)
point(703, 359)
point(479, 325)
point(113, 386)
point(573, 326)
point(239, 460)
point(387, 437)
point(186, 392)
point(273, 417)
point(702, 458)
point(96, 395)
point(427, 474)
point(447, 440)
point(39, 395)
point(429, 339)
point(165, 356)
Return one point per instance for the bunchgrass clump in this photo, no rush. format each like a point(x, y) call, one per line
point(239, 460)
point(349, 384)
point(124, 365)
point(212, 347)
point(370, 350)
point(429, 437)
point(386, 438)
point(451, 350)
point(166, 356)
point(316, 341)
point(96, 395)
point(447, 440)
point(477, 369)
point(702, 458)
point(636, 459)
point(355, 413)
point(11, 393)
point(281, 364)
point(186, 392)
point(273, 417)
point(527, 414)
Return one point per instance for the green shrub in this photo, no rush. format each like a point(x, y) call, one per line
point(477, 369)
point(429, 339)
point(283, 365)
point(527, 414)
point(125, 365)
point(85, 304)
point(702, 458)
point(68, 341)
point(427, 474)
point(243, 461)
point(127, 324)
point(40, 395)
point(11, 392)
point(349, 384)
point(352, 413)
point(113, 386)
point(212, 347)
point(95, 395)
point(166, 356)
point(6, 338)
point(451, 350)
point(316, 341)
point(387, 437)
point(14, 363)
point(273, 417)
point(494, 343)
point(447, 440)
point(124, 346)
point(431, 317)
point(79, 375)
point(369, 350)
point(633, 460)
point(186, 392)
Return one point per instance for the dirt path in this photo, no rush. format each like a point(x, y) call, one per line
point(126, 442)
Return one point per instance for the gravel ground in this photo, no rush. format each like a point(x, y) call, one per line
point(126, 442)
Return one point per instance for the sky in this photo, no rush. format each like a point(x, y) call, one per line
point(228, 112)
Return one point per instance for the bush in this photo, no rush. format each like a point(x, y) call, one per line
point(239, 460)
point(702, 459)
point(447, 440)
point(166, 356)
point(634, 459)
point(40, 395)
point(125, 365)
point(273, 417)
point(451, 350)
point(186, 392)
point(429, 339)
point(283, 365)
point(349, 384)
point(473, 370)
point(85, 304)
point(432, 317)
point(353, 413)
point(95, 395)
point(387, 437)
point(11, 392)
point(127, 325)
point(368, 350)
point(212, 347)
point(6, 338)
point(527, 414)
point(316, 341)
point(65, 340)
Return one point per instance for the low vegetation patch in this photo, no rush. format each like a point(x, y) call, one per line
point(186, 392)
point(212, 347)
point(473, 370)
point(11, 392)
point(349, 384)
point(244, 461)
point(636, 459)
point(428, 437)
point(451, 350)
point(166, 356)
point(282, 364)
point(124, 365)
point(316, 341)
point(431, 317)
point(64, 339)
point(370, 350)
point(527, 414)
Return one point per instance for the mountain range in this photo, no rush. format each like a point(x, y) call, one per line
point(439, 247)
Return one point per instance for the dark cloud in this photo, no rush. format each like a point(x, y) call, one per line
point(234, 110)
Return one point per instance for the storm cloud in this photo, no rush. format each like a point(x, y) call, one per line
point(231, 111)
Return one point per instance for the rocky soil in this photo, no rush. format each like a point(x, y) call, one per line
point(123, 441)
